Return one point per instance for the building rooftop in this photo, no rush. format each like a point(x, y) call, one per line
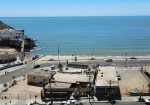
point(71, 78)
point(74, 70)
point(105, 74)
point(10, 30)
point(42, 72)
point(58, 85)
point(4, 26)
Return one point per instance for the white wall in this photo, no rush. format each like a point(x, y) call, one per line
point(11, 34)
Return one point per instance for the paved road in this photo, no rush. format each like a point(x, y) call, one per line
point(29, 67)
point(118, 63)
point(102, 103)
point(118, 103)
point(16, 73)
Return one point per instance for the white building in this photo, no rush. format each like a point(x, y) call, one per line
point(39, 77)
point(107, 85)
point(11, 34)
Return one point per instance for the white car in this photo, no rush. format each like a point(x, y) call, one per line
point(147, 101)
point(28, 103)
point(53, 67)
point(73, 102)
point(108, 60)
point(34, 103)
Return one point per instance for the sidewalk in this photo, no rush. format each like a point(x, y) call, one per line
point(2, 72)
point(133, 98)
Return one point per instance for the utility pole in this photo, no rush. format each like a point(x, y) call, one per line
point(72, 57)
point(126, 60)
point(110, 91)
point(22, 48)
point(89, 86)
point(92, 52)
point(58, 54)
point(50, 90)
point(141, 95)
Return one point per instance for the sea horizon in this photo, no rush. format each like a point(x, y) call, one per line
point(80, 35)
point(75, 16)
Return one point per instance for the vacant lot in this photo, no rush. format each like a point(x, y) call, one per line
point(132, 79)
point(21, 91)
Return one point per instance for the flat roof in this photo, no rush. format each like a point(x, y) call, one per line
point(105, 74)
point(74, 70)
point(58, 85)
point(71, 78)
point(42, 72)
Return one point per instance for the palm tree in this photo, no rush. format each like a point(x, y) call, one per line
point(67, 64)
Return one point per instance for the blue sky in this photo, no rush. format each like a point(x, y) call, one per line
point(74, 8)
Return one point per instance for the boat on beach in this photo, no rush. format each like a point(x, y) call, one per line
point(134, 91)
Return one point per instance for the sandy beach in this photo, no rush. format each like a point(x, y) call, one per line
point(85, 57)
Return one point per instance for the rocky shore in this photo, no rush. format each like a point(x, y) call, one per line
point(10, 37)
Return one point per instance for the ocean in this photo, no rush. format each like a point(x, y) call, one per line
point(100, 35)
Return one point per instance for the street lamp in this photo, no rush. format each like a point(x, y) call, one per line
point(72, 57)
point(50, 78)
point(89, 84)
point(126, 60)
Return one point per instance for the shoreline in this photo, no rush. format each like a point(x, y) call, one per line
point(85, 57)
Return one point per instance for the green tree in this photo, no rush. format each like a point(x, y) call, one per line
point(60, 67)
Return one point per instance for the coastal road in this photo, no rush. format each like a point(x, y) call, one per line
point(29, 67)
point(22, 71)
point(118, 63)
point(16, 73)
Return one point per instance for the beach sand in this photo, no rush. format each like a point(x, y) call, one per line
point(85, 58)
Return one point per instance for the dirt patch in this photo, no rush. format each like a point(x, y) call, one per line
point(21, 91)
point(132, 79)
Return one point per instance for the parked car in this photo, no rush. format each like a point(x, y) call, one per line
point(73, 102)
point(53, 67)
point(108, 60)
point(118, 77)
point(34, 103)
point(35, 57)
point(36, 66)
point(147, 101)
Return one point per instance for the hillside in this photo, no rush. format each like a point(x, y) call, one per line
point(4, 26)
